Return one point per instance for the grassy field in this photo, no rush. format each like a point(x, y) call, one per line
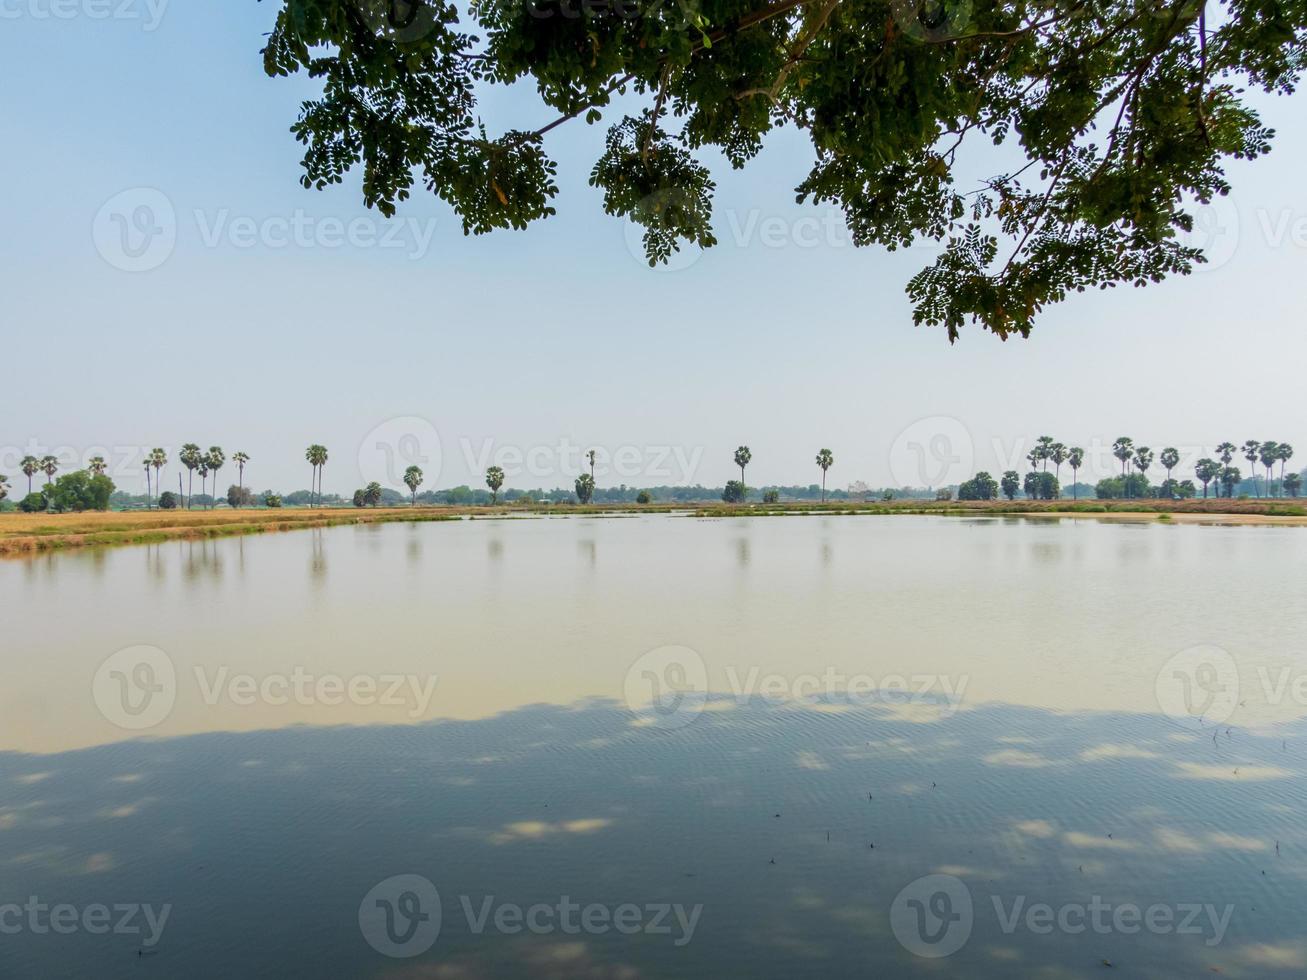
point(26, 534)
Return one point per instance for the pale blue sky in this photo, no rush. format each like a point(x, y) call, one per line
point(785, 336)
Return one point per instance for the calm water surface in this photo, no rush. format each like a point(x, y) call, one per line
point(660, 747)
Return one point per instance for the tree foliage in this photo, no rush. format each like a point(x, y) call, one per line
point(1114, 117)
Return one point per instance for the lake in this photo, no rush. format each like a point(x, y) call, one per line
point(659, 746)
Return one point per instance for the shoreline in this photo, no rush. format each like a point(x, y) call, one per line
point(24, 535)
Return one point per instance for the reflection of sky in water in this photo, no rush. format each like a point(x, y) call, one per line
point(1057, 780)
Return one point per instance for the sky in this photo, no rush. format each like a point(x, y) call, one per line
point(263, 317)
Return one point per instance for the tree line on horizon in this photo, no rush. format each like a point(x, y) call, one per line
point(1136, 460)
point(92, 489)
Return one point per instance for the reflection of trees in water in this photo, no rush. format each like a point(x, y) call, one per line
point(544, 801)
point(318, 556)
point(202, 560)
point(589, 551)
point(742, 553)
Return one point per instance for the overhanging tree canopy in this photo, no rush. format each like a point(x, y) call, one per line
point(1122, 113)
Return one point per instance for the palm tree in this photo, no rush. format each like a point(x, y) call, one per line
point(30, 466)
point(240, 459)
point(1169, 459)
point(494, 480)
point(1044, 450)
point(825, 459)
point(1124, 450)
point(190, 458)
point(1075, 457)
point(1033, 458)
point(203, 467)
point(317, 457)
point(215, 457)
point(96, 465)
point(158, 459)
point(591, 456)
point(1269, 455)
point(4, 486)
point(1207, 470)
point(1285, 453)
point(1058, 454)
point(49, 466)
point(413, 480)
point(742, 459)
point(1251, 450)
point(1143, 460)
point(148, 503)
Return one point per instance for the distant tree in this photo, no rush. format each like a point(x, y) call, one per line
point(214, 460)
point(167, 500)
point(1252, 449)
point(272, 500)
point(585, 487)
point(1284, 453)
point(982, 486)
point(742, 459)
point(1047, 487)
point(191, 458)
point(1292, 483)
point(34, 503)
point(316, 455)
point(1030, 485)
point(158, 458)
point(943, 494)
point(30, 466)
point(1143, 460)
point(97, 466)
point(4, 486)
point(1186, 490)
point(240, 459)
point(494, 480)
point(1124, 450)
point(1230, 478)
point(591, 456)
point(1269, 455)
point(1170, 459)
point(360, 498)
point(734, 492)
point(147, 481)
point(372, 494)
point(79, 491)
point(239, 496)
point(413, 479)
point(1225, 452)
point(643, 497)
point(1075, 458)
point(825, 459)
point(771, 496)
point(1207, 470)
point(1010, 484)
point(1044, 450)
point(203, 469)
point(49, 466)
point(1059, 455)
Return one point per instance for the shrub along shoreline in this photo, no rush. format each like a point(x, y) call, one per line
point(28, 534)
